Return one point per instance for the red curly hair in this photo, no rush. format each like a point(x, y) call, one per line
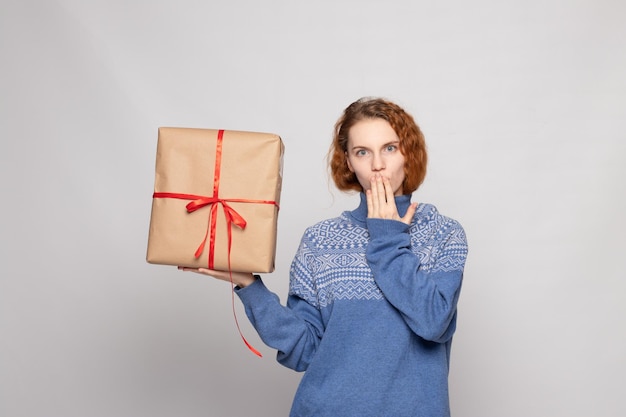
point(412, 143)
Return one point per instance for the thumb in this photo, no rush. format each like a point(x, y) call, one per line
point(410, 212)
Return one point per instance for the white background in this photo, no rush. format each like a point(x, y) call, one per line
point(523, 104)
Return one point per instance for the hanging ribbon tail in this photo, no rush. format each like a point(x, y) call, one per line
point(252, 349)
point(256, 352)
point(234, 217)
point(230, 213)
point(202, 244)
point(210, 227)
point(213, 230)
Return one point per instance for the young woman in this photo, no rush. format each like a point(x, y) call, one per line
point(373, 293)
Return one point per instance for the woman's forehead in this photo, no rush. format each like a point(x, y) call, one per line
point(371, 133)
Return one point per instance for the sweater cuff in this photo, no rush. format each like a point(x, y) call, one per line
point(385, 227)
point(254, 291)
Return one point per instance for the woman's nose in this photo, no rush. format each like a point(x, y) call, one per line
point(378, 163)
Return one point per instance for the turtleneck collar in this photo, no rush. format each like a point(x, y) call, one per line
point(359, 215)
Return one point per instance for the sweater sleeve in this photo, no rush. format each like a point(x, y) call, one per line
point(425, 291)
point(294, 330)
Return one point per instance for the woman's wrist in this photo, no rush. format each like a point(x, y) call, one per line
point(246, 280)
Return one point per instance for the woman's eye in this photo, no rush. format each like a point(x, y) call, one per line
point(391, 148)
point(361, 152)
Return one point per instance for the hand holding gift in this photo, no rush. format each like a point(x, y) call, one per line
point(240, 279)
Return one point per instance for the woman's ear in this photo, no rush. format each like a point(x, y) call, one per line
point(348, 162)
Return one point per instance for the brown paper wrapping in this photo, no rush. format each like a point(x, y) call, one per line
point(251, 169)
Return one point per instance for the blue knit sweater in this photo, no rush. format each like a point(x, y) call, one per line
point(370, 314)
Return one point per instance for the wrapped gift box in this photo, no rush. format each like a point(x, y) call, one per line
point(215, 201)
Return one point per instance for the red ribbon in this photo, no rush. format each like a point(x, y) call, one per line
point(232, 217)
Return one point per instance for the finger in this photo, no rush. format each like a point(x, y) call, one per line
point(368, 198)
point(374, 196)
point(205, 271)
point(223, 275)
point(389, 191)
point(380, 190)
point(408, 217)
point(241, 279)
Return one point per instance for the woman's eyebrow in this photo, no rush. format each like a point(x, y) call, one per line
point(391, 142)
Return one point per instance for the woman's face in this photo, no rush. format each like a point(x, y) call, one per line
point(374, 149)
